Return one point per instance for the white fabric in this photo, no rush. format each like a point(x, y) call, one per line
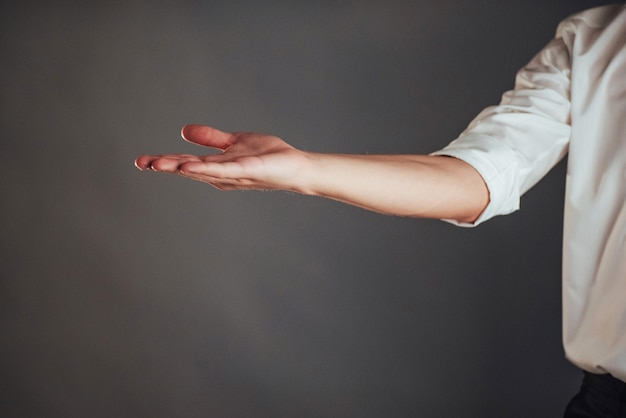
point(570, 97)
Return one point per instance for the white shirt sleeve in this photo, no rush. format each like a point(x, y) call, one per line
point(513, 145)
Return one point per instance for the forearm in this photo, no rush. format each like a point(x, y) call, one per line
point(405, 185)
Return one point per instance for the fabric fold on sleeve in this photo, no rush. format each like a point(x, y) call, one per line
point(513, 145)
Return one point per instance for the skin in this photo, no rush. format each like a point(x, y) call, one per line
point(405, 185)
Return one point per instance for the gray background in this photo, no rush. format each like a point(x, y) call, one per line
point(128, 294)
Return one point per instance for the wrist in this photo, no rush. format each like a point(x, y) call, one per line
point(307, 174)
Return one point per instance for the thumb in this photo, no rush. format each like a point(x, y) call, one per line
point(207, 136)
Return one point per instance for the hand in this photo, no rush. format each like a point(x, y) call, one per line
point(247, 160)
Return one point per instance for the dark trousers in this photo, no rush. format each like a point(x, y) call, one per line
point(601, 395)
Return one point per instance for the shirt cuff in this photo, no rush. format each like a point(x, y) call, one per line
point(497, 165)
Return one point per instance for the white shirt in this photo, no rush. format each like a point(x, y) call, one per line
point(571, 98)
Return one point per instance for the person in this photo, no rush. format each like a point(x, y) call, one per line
point(569, 99)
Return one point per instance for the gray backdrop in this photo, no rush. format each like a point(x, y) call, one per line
point(128, 294)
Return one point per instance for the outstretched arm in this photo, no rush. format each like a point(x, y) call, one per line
point(406, 185)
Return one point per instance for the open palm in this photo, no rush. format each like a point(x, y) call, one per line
point(247, 161)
